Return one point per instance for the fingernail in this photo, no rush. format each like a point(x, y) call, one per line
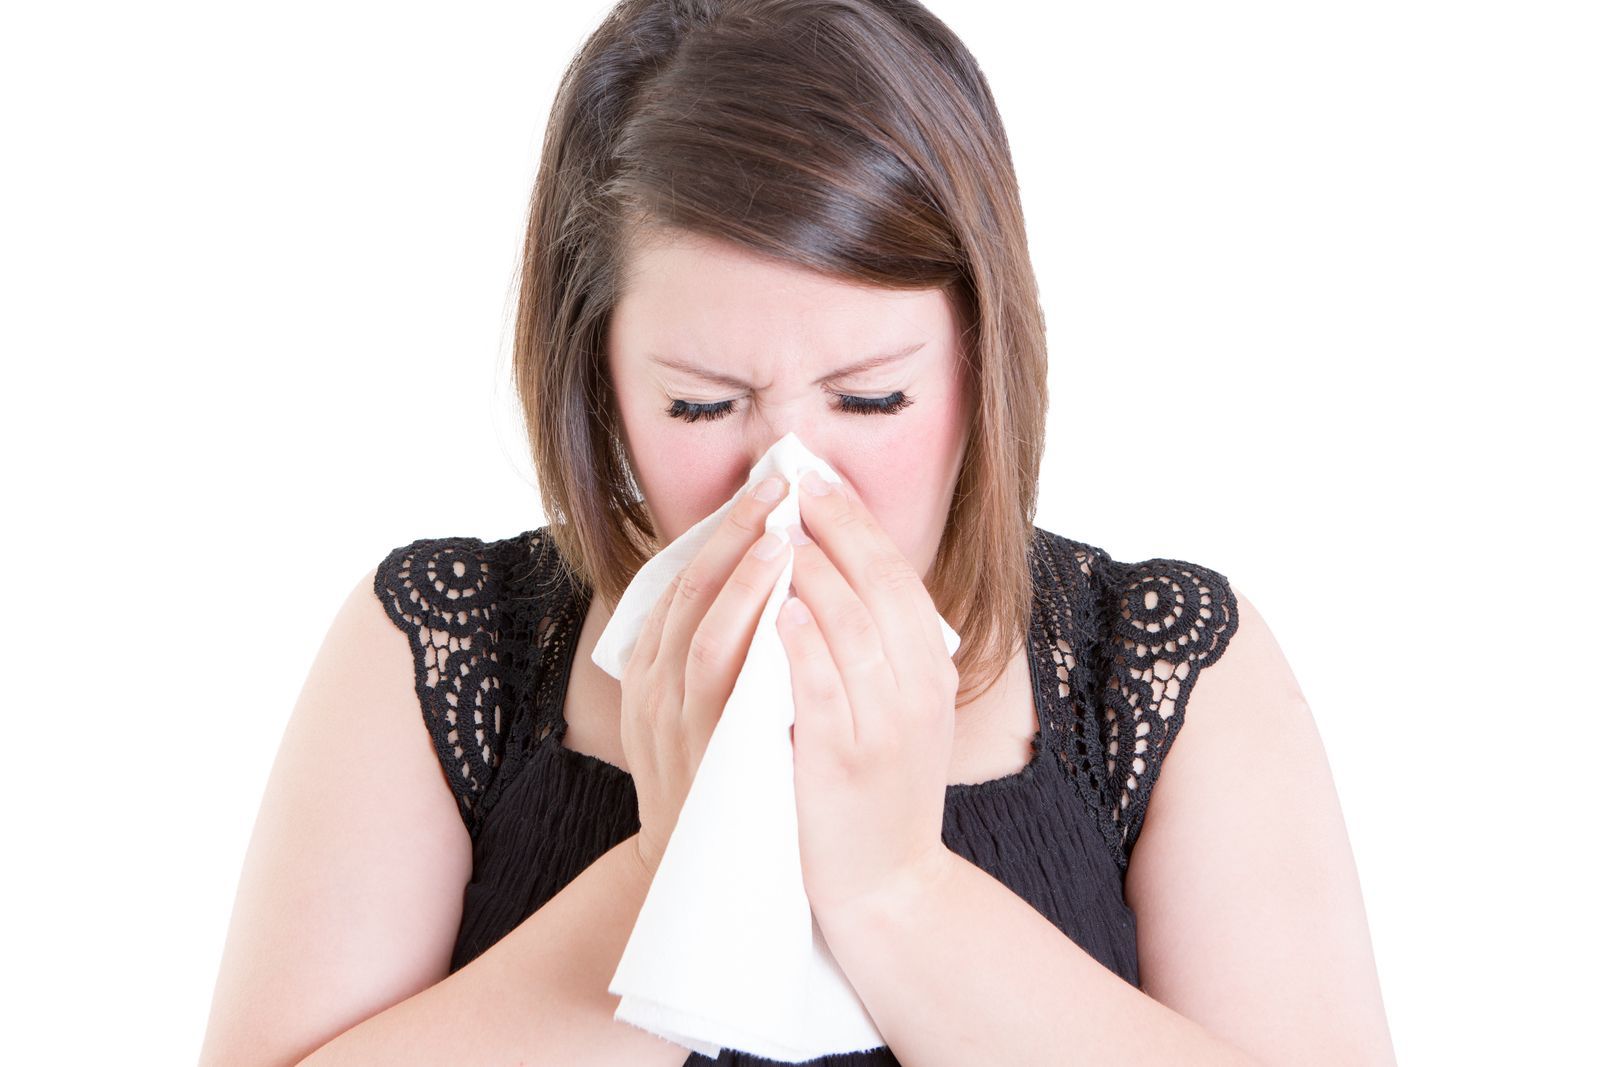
point(796, 610)
point(771, 489)
point(797, 535)
point(814, 483)
point(769, 546)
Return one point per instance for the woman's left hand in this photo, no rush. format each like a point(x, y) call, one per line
point(874, 693)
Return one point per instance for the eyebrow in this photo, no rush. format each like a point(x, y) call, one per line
point(719, 378)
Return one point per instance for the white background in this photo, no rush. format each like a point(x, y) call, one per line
point(1321, 289)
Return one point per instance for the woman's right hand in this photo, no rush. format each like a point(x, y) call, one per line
point(688, 655)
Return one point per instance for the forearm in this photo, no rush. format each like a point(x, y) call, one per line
point(538, 995)
point(958, 969)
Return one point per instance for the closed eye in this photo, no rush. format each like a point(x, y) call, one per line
point(863, 405)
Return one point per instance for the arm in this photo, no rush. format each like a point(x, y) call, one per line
point(1253, 946)
point(956, 969)
point(537, 995)
point(350, 898)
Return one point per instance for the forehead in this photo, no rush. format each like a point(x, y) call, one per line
point(696, 297)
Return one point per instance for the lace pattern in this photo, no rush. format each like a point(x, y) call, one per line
point(1134, 638)
point(485, 620)
point(444, 594)
point(1171, 619)
point(492, 626)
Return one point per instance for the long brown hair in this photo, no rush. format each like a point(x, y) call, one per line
point(856, 138)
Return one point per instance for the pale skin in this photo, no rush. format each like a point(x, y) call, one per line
point(778, 329)
point(1253, 943)
point(1252, 939)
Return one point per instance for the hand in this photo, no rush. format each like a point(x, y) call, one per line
point(874, 693)
point(681, 672)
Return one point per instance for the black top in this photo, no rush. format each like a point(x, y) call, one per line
point(1115, 651)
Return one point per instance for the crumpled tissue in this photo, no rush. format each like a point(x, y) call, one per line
point(726, 952)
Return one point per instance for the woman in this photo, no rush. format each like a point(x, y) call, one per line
point(752, 218)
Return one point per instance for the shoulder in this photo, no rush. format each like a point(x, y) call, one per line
point(450, 582)
point(1140, 633)
point(351, 889)
point(1172, 605)
point(1245, 867)
point(471, 612)
point(1144, 612)
point(436, 588)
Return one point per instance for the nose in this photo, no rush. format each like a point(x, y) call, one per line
point(808, 435)
point(817, 445)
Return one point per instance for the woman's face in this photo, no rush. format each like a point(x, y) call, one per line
point(773, 345)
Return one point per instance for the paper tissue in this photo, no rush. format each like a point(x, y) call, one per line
point(726, 952)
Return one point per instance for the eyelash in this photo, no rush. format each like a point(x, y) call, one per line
point(689, 411)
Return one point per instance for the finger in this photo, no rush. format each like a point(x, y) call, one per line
point(704, 575)
point(720, 644)
point(887, 583)
point(644, 650)
point(822, 712)
point(851, 633)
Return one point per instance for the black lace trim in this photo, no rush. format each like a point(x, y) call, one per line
point(444, 594)
point(1128, 664)
point(493, 627)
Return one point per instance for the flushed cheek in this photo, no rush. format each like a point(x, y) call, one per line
point(683, 481)
point(904, 493)
point(903, 476)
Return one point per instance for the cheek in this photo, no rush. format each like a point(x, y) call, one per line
point(682, 479)
point(906, 478)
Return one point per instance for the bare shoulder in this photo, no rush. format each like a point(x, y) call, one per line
point(1243, 883)
point(351, 892)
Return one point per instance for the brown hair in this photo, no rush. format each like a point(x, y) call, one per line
point(856, 138)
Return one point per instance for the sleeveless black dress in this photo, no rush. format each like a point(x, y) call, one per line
point(1115, 649)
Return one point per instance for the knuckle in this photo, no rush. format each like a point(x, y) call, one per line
point(650, 702)
point(691, 587)
point(744, 580)
point(843, 514)
point(817, 652)
point(856, 621)
point(894, 572)
point(669, 593)
point(748, 518)
point(824, 694)
point(706, 652)
point(657, 619)
point(640, 663)
point(646, 700)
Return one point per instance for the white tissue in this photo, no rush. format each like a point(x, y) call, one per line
point(726, 952)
